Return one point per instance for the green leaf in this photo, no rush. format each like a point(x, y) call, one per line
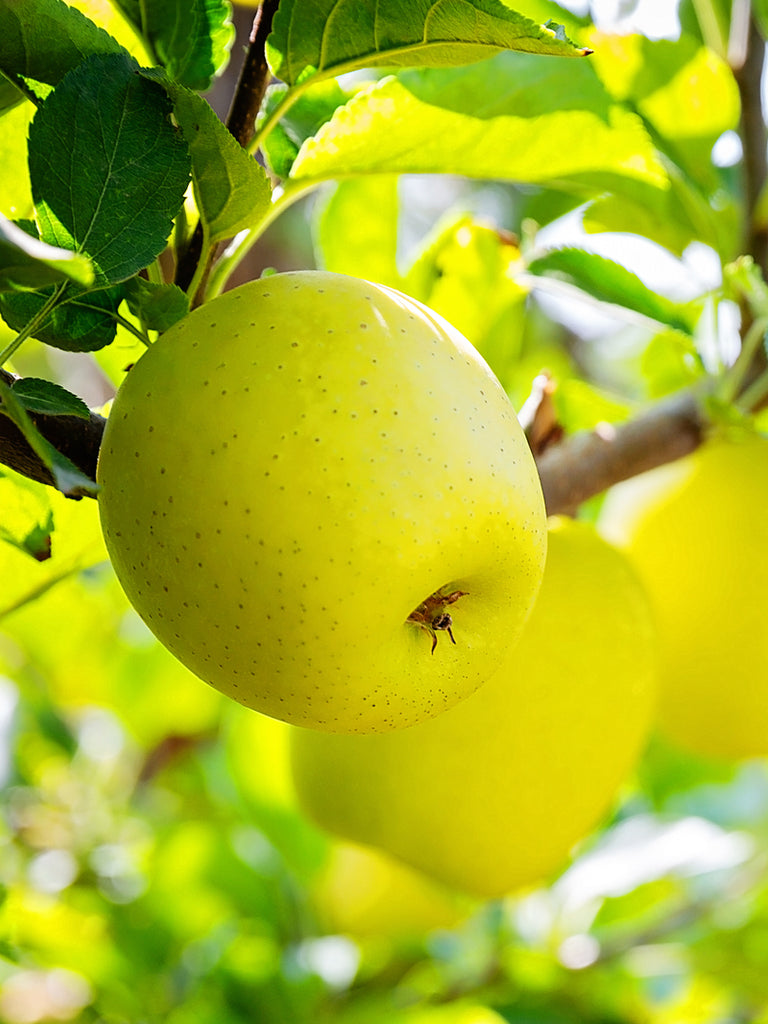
point(27, 522)
point(313, 38)
point(126, 171)
point(610, 282)
point(67, 477)
point(157, 306)
point(43, 396)
point(305, 118)
point(26, 262)
point(190, 38)
point(682, 89)
point(81, 324)
point(582, 406)
point(15, 190)
point(232, 190)
point(356, 229)
point(514, 117)
point(670, 363)
point(44, 39)
point(10, 95)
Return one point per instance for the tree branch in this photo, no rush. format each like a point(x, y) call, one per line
point(77, 438)
point(254, 77)
point(588, 463)
point(241, 122)
point(748, 73)
point(571, 470)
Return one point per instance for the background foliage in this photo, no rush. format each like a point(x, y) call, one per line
point(594, 217)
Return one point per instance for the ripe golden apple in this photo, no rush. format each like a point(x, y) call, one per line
point(368, 894)
point(491, 795)
point(306, 484)
point(697, 533)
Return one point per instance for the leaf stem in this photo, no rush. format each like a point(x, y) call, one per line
point(203, 268)
point(34, 324)
point(754, 396)
point(240, 246)
point(735, 376)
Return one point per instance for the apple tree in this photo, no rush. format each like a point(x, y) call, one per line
point(405, 365)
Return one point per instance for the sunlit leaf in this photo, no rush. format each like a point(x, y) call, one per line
point(609, 281)
point(356, 230)
point(514, 117)
point(26, 262)
point(324, 37)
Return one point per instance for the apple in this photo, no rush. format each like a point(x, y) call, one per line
point(697, 533)
point(319, 498)
point(367, 894)
point(393, 1009)
point(492, 795)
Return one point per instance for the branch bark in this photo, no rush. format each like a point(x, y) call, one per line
point(588, 463)
point(748, 73)
point(79, 439)
point(571, 471)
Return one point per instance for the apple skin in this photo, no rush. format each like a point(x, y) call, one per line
point(371, 896)
point(697, 533)
point(492, 795)
point(289, 472)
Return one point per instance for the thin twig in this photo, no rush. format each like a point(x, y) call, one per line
point(753, 139)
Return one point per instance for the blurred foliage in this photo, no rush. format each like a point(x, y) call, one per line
point(154, 866)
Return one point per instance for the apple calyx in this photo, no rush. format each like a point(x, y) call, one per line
point(431, 614)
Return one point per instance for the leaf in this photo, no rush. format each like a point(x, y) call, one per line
point(305, 118)
point(45, 39)
point(232, 190)
point(514, 117)
point(81, 324)
point(27, 517)
point(312, 38)
point(157, 306)
point(356, 230)
point(681, 88)
point(67, 477)
point(43, 396)
point(26, 262)
point(610, 282)
point(126, 171)
point(580, 406)
point(10, 95)
point(670, 363)
point(190, 38)
point(15, 191)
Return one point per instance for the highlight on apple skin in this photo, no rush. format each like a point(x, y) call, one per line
point(319, 498)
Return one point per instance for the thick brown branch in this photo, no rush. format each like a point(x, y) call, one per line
point(77, 438)
point(587, 463)
point(571, 471)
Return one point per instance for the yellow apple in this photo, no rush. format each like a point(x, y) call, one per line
point(697, 533)
point(492, 795)
point(368, 894)
point(389, 1010)
point(309, 482)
